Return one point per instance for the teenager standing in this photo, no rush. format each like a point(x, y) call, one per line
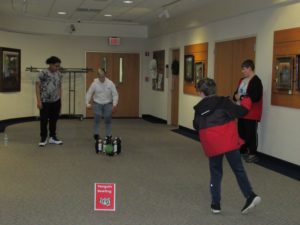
point(48, 93)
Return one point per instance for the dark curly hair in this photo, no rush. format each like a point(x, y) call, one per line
point(53, 60)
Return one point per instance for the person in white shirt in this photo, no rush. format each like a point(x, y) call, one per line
point(105, 101)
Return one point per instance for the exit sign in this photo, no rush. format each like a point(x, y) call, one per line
point(114, 41)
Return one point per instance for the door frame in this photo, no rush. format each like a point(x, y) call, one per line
point(121, 52)
point(170, 80)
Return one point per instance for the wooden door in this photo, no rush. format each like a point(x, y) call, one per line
point(175, 92)
point(223, 67)
point(128, 87)
point(127, 83)
point(242, 49)
point(229, 56)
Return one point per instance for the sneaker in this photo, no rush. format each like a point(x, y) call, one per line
point(252, 201)
point(43, 142)
point(215, 208)
point(245, 156)
point(54, 140)
point(251, 159)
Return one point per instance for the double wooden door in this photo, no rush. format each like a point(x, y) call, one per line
point(123, 69)
point(229, 56)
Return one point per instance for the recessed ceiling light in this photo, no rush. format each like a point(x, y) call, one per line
point(128, 2)
point(62, 13)
point(108, 15)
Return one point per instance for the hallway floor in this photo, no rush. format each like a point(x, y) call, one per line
point(161, 177)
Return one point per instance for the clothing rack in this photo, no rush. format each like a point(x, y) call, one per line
point(72, 72)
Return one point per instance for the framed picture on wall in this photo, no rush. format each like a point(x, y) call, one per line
point(189, 68)
point(10, 70)
point(284, 73)
point(199, 71)
point(159, 66)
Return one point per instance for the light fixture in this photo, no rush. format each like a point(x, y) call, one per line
point(62, 13)
point(107, 15)
point(128, 2)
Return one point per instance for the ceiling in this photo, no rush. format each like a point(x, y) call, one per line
point(159, 16)
point(143, 12)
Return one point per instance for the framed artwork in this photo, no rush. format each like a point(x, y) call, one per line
point(10, 67)
point(158, 70)
point(199, 71)
point(189, 68)
point(284, 73)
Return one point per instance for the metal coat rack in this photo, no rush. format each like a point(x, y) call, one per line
point(72, 72)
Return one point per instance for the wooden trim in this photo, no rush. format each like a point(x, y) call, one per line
point(200, 53)
point(286, 44)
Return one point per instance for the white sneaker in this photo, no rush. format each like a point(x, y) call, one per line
point(54, 140)
point(43, 142)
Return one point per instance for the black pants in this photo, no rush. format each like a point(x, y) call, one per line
point(248, 132)
point(50, 111)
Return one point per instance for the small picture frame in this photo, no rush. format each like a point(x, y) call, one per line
point(10, 70)
point(199, 71)
point(189, 68)
point(284, 73)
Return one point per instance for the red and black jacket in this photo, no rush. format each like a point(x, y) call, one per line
point(215, 120)
point(254, 92)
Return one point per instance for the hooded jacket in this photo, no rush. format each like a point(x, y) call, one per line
point(215, 121)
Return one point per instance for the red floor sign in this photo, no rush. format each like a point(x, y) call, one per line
point(105, 197)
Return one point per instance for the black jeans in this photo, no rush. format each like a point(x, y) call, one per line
point(50, 111)
point(216, 173)
point(248, 132)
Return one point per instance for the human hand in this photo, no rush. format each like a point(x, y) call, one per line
point(89, 106)
point(237, 96)
point(114, 109)
point(39, 105)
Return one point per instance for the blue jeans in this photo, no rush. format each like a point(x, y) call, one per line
point(216, 173)
point(105, 111)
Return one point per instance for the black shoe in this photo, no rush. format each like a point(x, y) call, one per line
point(252, 159)
point(252, 201)
point(215, 208)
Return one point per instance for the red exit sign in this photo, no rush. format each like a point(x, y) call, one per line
point(114, 41)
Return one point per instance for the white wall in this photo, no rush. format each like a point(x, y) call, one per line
point(35, 49)
point(280, 126)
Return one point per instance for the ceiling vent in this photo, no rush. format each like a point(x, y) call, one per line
point(122, 20)
point(88, 10)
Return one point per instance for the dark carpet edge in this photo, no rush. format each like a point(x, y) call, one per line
point(269, 162)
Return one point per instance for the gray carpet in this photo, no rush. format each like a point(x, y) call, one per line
point(161, 177)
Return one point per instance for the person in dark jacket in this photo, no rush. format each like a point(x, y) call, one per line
point(249, 86)
point(215, 122)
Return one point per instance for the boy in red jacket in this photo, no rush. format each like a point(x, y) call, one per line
point(249, 86)
point(215, 120)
